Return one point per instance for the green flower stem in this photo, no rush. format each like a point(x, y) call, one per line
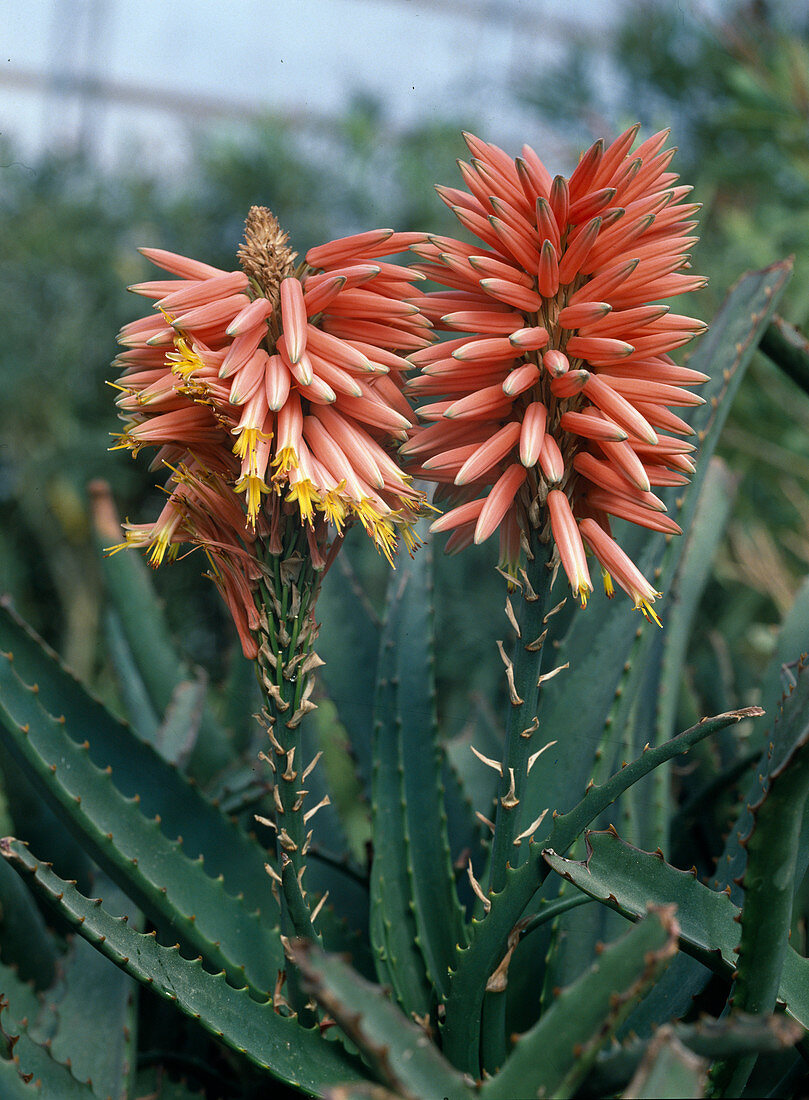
point(285, 663)
point(523, 673)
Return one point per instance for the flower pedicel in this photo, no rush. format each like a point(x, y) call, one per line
point(554, 404)
point(271, 393)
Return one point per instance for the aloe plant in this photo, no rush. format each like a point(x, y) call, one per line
point(494, 915)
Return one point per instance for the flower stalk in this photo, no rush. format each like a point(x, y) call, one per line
point(524, 675)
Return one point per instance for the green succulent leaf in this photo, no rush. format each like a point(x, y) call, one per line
point(477, 782)
point(174, 890)
point(139, 772)
point(668, 1070)
point(700, 542)
point(769, 879)
point(393, 930)
point(153, 653)
point(23, 1001)
point(772, 855)
point(15, 1088)
point(279, 1044)
point(25, 942)
point(134, 696)
point(36, 1069)
point(793, 641)
point(708, 1038)
point(96, 1011)
point(488, 936)
point(402, 1054)
point(627, 880)
point(349, 644)
point(555, 1055)
point(409, 824)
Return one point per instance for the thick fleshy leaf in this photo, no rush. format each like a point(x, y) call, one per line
point(627, 880)
point(174, 890)
point(296, 1055)
point(48, 1075)
point(488, 936)
point(95, 1010)
point(669, 1071)
point(402, 1054)
point(393, 929)
point(793, 640)
point(410, 821)
point(556, 1054)
point(772, 848)
point(144, 632)
point(137, 769)
point(707, 1038)
point(25, 942)
point(349, 644)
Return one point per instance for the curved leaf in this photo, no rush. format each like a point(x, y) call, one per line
point(298, 1056)
point(139, 771)
point(171, 888)
point(400, 1051)
point(488, 936)
point(555, 1055)
point(628, 880)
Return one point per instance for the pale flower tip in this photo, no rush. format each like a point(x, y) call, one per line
point(158, 340)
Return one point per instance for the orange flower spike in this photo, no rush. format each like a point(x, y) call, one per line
point(586, 377)
point(221, 379)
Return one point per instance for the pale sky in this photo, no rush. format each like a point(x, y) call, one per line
point(165, 68)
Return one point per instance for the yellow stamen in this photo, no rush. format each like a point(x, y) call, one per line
point(648, 611)
point(159, 547)
point(185, 360)
point(307, 496)
point(253, 486)
point(381, 530)
point(385, 537)
point(285, 460)
point(245, 445)
point(335, 510)
point(609, 587)
point(411, 539)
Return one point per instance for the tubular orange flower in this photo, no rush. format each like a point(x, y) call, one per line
point(272, 393)
point(563, 369)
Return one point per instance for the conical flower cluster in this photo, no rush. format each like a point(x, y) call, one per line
point(552, 408)
point(271, 394)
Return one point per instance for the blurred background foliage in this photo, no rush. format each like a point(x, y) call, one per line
point(736, 94)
